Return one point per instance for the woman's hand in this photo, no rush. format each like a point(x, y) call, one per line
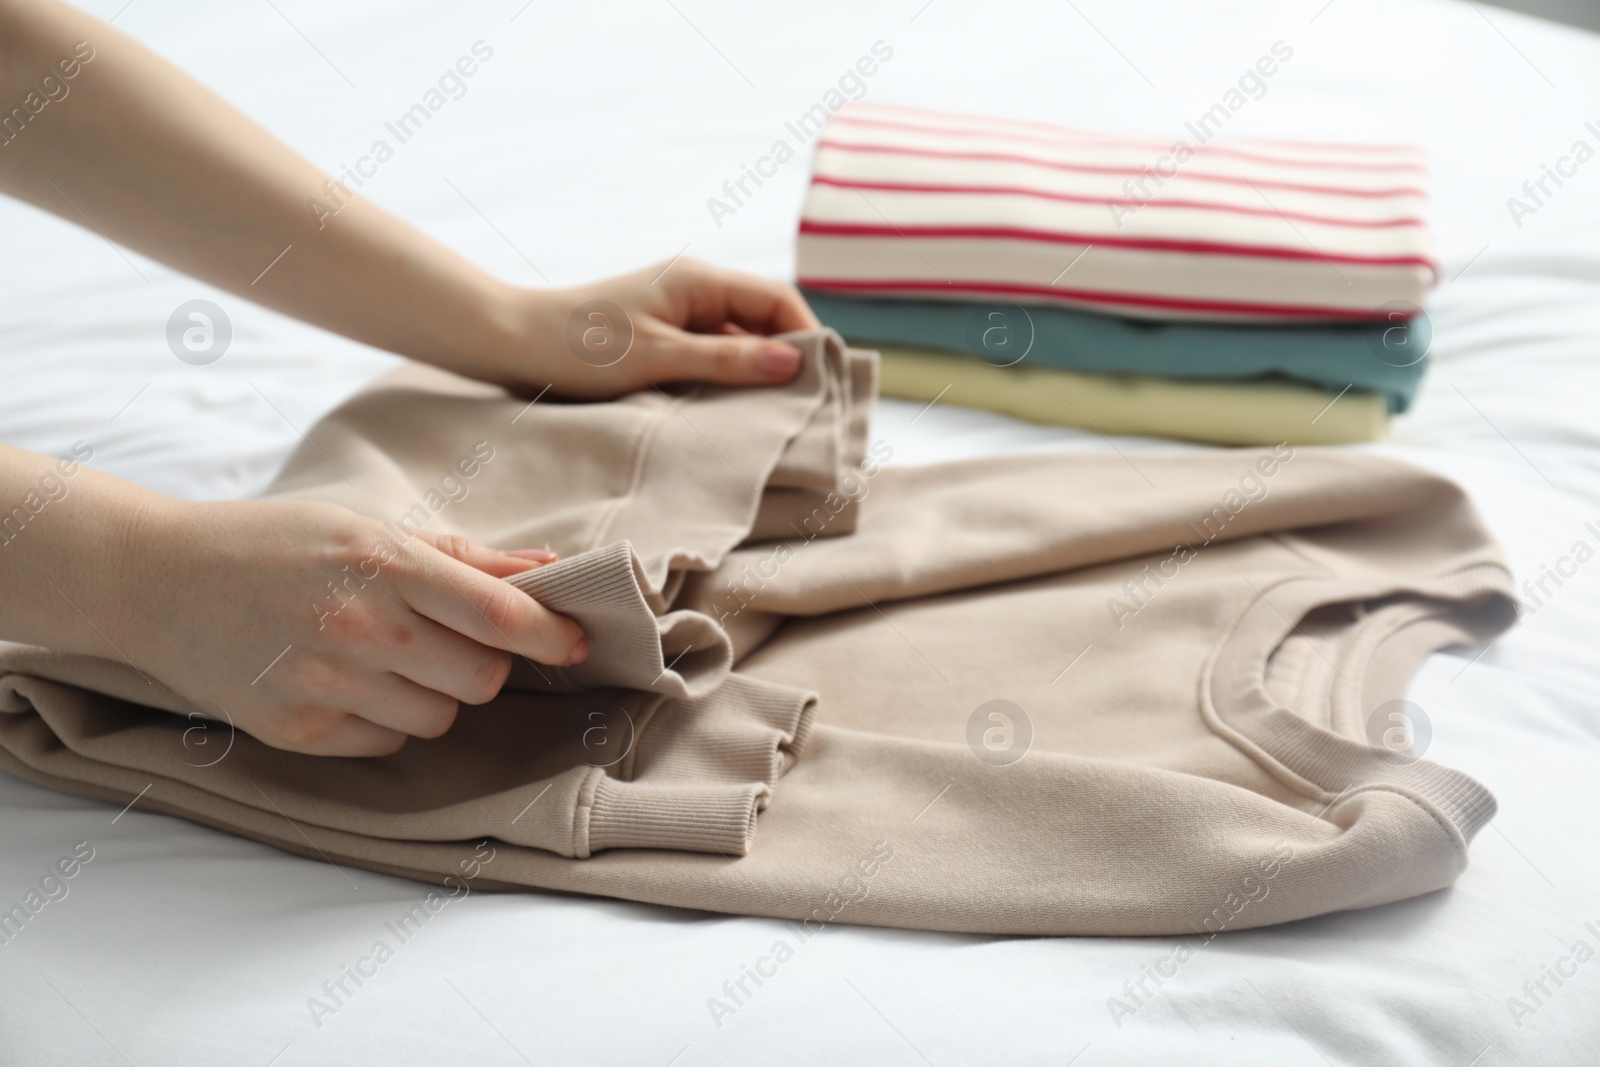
point(166, 168)
point(683, 320)
point(315, 630)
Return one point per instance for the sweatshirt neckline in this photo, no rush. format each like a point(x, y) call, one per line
point(1380, 652)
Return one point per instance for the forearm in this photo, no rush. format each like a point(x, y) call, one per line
point(65, 532)
point(209, 598)
point(151, 159)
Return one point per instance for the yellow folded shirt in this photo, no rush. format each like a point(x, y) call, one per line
point(1256, 412)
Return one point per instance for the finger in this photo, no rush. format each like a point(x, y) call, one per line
point(488, 611)
point(329, 732)
point(440, 661)
point(485, 559)
point(399, 703)
point(318, 691)
point(538, 555)
point(730, 359)
point(757, 304)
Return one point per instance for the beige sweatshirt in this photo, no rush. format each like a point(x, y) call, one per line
point(1029, 694)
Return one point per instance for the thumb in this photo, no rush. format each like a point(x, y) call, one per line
point(485, 559)
point(731, 359)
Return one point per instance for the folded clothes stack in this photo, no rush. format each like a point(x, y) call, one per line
point(1242, 293)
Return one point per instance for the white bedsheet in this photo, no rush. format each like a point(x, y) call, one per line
point(589, 144)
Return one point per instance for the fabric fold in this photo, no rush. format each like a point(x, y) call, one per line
point(918, 203)
point(1261, 411)
point(1032, 694)
point(604, 592)
point(1387, 358)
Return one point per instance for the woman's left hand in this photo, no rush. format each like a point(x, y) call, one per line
point(168, 169)
point(684, 320)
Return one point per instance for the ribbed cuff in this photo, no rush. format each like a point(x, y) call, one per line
point(691, 817)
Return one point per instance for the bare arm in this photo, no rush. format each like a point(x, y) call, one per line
point(216, 600)
point(227, 604)
point(127, 143)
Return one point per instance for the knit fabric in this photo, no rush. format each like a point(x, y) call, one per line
point(1258, 412)
point(917, 203)
point(1036, 694)
point(1387, 358)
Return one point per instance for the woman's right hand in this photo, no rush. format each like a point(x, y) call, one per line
point(320, 631)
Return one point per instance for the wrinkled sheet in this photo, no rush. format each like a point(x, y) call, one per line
point(184, 946)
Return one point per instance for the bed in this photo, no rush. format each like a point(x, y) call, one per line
point(590, 143)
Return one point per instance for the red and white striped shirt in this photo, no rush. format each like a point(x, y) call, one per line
point(926, 204)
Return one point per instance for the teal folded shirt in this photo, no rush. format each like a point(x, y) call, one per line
point(1382, 357)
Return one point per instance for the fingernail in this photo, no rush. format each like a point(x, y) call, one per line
point(538, 555)
point(580, 652)
point(778, 360)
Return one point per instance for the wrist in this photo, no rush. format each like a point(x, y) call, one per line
point(523, 331)
point(71, 575)
point(501, 337)
point(135, 570)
